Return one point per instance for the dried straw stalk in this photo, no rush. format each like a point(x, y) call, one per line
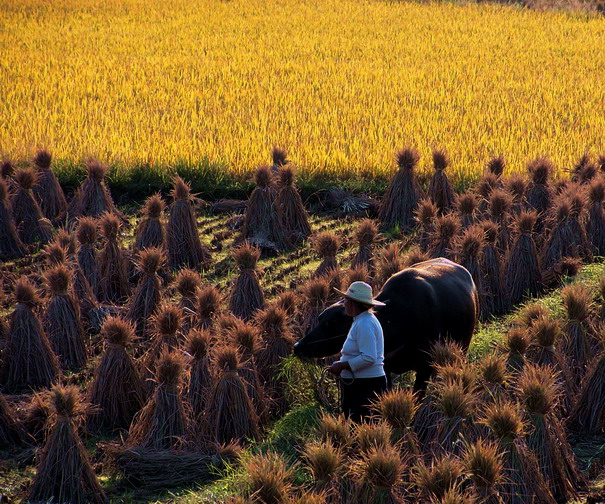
point(32, 226)
point(11, 246)
point(48, 191)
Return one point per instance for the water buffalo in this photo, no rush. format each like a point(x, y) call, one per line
point(429, 301)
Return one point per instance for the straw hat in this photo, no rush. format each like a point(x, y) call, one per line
point(360, 292)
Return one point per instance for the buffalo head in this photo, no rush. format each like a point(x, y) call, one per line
point(328, 336)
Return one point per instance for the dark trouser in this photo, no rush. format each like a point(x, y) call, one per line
point(357, 395)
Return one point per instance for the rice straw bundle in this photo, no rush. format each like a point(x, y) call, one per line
point(546, 334)
point(522, 274)
point(442, 354)
point(539, 194)
point(579, 342)
point(414, 256)
point(54, 254)
point(496, 165)
point(601, 163)
point(398, 408)
point(11, 246)
point(48, 191)
point(369, 435)
point(245, 338)
point(522, 482)
point(277, 343)
point(113, 278)
point(388, 262)
point(268, 479)
point(494, 298)
point(467, 209)
point(12, 433)
point(567, 237)
point(483, 462)
point(208, 303)
point(336, 430)
point(469, 247)
point(186, 285)
point(233, 417)
point(291, 210)
point(378, 477)
point(92, 198)
point(117, 390)
point(201, 379)
point(456, 405)
point(315, 293)
point(538, 393)
point(440, 191)
point(425, 215)
point(435, 481)
point(279, 158)
point(359, 274)
point(516, 345)
point(588, 413)
point(28, 361)
point(65, 473)
point(326, 463)
point(530, 313)
point(184, 246)
point(326, 245)
point(163, 424)
point(62, 319)
point(32, 226)
point(263, 226)
point(500, 203)
point(484, 189)
point(37, 413)
point(446, 228)
point(246, 294)
point(403, 194)
point(66, 240)
point(86, 233)
point(147, 295)
point(595, 223)
point(516, 186)
point(7, 175)
point(365, 235)
point(584, 170)
point(165, 327)
point(151, 231)
point(494, 377)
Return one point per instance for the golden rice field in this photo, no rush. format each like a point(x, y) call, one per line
point(341, 84)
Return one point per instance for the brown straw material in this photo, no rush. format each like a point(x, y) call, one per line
point(163, 424)
point(263, 226)
point(595, 223)
point(440, 191)
point(11, 246)
point(365, 235)
point(522, 274)
point(12, 433)
point(184, 246)
point(388, 262)
point(86, 234)
point(32, 226)
point(116, 390)
point(425, 215)
point(113, 277)
point(62, 319)
point(494, 298)
point(446, 228)
point(48, 191)
point(92, 199)
point(246, 294)
point(326, 245)
point(233, 417)
point(207, 306)
point(65, 472)
point(201, 378)
point(148, 295)
point(291, 211)
point(28, 361)
point(151, 231)
point(403, 193)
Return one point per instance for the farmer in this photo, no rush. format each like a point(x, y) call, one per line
point(360, 367)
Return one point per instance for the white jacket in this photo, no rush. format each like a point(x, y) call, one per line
point(364, 348)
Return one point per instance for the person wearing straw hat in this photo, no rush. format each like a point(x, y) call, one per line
point(360, 366)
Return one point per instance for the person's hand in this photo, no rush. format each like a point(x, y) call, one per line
point(337, 367)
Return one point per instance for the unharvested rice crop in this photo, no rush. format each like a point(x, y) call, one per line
point(341, 84)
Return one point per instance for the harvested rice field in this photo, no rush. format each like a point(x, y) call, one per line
point(147, 352)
